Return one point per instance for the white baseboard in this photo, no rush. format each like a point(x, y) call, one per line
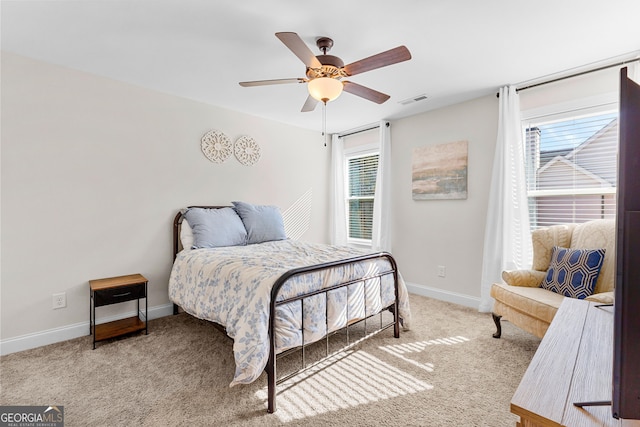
point(63, 333)
point(454, 297)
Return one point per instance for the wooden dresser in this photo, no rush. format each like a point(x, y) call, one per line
point(572, 364)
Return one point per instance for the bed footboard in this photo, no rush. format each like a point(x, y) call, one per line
point(271, 370)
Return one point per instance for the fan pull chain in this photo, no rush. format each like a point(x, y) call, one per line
point(324, 122)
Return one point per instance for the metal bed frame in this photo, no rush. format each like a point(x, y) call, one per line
point(272, 380)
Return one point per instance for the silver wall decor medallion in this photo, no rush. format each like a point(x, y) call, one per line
point(247, 150)
point(216, 146)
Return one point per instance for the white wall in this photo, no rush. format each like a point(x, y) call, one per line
point(430, 233)
point(593, 88)
point(93, 172)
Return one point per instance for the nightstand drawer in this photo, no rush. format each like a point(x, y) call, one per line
point(119, 294)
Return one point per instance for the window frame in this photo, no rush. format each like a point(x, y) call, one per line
point(592, 106)
point(364, 150)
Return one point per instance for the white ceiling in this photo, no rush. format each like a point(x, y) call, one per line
point(201, 49)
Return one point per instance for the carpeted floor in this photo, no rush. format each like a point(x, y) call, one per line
point(446, 371)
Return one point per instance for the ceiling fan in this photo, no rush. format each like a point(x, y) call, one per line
point(324, 72)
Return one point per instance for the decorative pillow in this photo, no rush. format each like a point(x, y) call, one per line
point(573, 272)
point(213, 228)
point(263, 223)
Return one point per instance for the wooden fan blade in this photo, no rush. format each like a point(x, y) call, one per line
point(310, 104)
point(382, 59)
point(299, 49)
point(271, 82)
point(365, 92)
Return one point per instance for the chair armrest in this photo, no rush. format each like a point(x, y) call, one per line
point(602, 297)
point(528, 278)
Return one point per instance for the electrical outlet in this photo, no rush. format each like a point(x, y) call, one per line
point(59, 300)
point(442, 271)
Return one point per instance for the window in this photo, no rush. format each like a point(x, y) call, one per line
point(362, 169)
point(571, 167)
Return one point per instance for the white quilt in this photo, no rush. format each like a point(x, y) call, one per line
point(232, 287)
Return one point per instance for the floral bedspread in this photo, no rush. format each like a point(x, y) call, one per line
point(232, 287)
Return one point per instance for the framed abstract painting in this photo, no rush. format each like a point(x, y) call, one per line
point(440, 171)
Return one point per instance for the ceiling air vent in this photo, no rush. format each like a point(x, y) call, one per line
point(413, 99)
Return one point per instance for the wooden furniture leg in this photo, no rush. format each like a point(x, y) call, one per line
point(496, 320)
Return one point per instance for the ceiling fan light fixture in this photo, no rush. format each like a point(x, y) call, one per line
point(325, 89)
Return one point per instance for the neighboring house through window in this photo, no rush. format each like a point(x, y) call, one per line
point(571, 166)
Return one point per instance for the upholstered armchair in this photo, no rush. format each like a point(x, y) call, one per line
point(521, 299)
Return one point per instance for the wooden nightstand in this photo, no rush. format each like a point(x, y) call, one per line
point(114, 290)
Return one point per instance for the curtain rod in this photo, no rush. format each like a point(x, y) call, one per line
point(361, 130)
point(617, 64)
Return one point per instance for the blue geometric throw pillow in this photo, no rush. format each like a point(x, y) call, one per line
point(573, 272)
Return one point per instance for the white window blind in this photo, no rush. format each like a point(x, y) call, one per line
point(361, 171)
point(571, 167)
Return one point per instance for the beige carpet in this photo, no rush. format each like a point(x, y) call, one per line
point(446, 371)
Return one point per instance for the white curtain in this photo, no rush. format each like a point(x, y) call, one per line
point(381, 227)
point(338, 220)
point(507, 238)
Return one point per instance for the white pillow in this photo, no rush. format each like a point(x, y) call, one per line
point(186, 235)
